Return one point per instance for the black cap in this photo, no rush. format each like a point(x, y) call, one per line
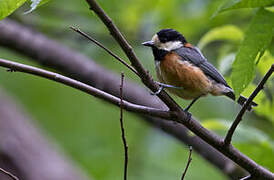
point(166, 35)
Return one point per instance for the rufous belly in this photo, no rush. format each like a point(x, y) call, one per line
point(180, 73)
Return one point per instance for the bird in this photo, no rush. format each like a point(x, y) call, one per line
point(183, 70)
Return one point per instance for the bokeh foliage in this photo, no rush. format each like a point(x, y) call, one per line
point(88, 128)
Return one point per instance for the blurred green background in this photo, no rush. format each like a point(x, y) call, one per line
point(88, 129)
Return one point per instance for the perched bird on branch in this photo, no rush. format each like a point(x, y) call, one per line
point(184, 71)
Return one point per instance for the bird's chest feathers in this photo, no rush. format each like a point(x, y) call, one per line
point(174, 71)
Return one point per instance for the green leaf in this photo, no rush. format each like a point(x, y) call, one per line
point(35, 4)
point(257, 39)
point(238, 4)
point(8, 6)
point(228, 32)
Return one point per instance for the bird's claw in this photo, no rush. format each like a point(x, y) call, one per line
point(158, 91)
point(168, 86)
point(162, 86)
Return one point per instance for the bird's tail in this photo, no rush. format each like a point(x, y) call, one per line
point(241, 100)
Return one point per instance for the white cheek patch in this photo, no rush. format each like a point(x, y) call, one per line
point(156, 40)
point(169, 46)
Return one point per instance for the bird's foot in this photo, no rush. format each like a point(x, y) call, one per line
point(162, 86)
point(158, 91)
point(168, 85)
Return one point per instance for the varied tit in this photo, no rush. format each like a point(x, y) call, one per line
point(184, 71)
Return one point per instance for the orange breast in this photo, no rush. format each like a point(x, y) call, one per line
point(174, 71)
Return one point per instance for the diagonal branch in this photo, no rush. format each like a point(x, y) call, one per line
point(188, 163)
point(13, 66)
point(103, 47)
point(238, 119)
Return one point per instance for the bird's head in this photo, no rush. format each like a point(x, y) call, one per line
point(166, 39)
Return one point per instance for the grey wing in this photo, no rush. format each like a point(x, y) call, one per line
point(194, 56)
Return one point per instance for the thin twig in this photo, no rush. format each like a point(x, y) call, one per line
point(9, 174)
point(85, 88)
point(188, 162)
point(122, 127)
point(238, 119)
point(103, 47)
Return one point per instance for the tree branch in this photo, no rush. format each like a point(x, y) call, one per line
point(188, 163)
point(13, 66)
point(238, 119)
point(104, 48)
point(122, 126)
point(179, 115)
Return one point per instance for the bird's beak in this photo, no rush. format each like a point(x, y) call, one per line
point(148, 43)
